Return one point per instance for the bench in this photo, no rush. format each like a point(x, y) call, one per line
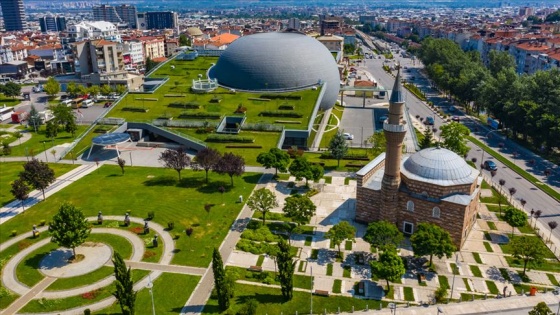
point(321, 293)
point(255, 268)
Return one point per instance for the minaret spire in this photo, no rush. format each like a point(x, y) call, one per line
point(395, 131)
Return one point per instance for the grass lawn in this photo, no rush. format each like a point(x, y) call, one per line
point(548, 265)
point(10, 172)
point(552, 279)
point(347, 272)
point(337, 286)
point(492, 287)
point(542, 186)
point(27, 271)
point(443, 281)
point(526, 229)
point(35, 144)
point(141, 190)
point(269, 277)
point(331, 164)
point(454, 268)
point(408, 294)
point(332, 126)
point(492, 225)
point(475, 271)
point(329, 269)
point(506, 248)
point(260, 260)
point(314, 253)
point(328, 179)
point(8, 298)
point(467, 285)
point(270, 301)
point(168, 299)
point(8, 101)
point(488, 248)
point(348, 245)
point(477, 258)
point(308, 240)
point(302, 265)
point(75, 282)
point(44, 305)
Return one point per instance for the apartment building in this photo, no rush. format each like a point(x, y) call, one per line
point(93, 30)
point(153, 47)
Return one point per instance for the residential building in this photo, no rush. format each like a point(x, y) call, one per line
point(14, 15)
point(93, 30)
point(128, 14)
point(171, 46)
point(332, 42)
point(294, 23)
point(51, 23)
point(133, 53)
point(97, 56)
point(153, 47)
point(161, 20)
point(107, 13)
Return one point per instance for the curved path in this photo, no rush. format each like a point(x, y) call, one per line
point(10, 280)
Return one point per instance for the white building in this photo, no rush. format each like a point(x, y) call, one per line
point(133, 49)
point(94, 30)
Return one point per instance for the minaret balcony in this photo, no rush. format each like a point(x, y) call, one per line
point(394, 128)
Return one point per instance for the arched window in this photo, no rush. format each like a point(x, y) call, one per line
point(410, 206)
point(436, 212)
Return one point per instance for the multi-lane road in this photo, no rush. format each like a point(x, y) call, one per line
point(536, 199)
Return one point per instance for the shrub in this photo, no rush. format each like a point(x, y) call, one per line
point(135, 109)
point(151, 215)
point(14, 233)
point(177, 236)
point(185, 105)
point(286, 107)
point(216, 99)
point(281, 96)
point(276, 113)
point(243, 146)
point(87, 311)
point(170, 225)
point(229, 138)
point(294, 152)
point(42, 223)
point(200, 115)
point(240, 109)
point(263, 127)
point(204, 130)
point(189, 231)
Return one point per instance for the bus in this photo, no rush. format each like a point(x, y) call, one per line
point(77, 102)
point(6, 112)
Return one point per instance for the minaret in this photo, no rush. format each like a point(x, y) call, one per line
point(394, 131)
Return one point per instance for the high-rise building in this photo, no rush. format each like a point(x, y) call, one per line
point(124, 13)
point(14, 15)
point(161, 20)
point(52, 23)
point(294, 23)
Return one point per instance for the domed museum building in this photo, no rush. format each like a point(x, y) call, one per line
point(278, 62)
point(434, 185)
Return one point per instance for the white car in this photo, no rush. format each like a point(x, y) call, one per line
point(348, 136)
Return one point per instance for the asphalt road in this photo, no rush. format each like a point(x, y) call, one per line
point(536, 198)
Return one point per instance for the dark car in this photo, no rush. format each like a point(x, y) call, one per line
point(490, 165)
point(108, 104)
point(456, 118)
point(429, 120)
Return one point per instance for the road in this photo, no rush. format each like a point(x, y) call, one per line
point(536, 199)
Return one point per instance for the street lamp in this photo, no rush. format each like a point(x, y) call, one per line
point(486, 136)
point(457, 265)
point(45, 148)
point(150, 285)
point(311, 295)
point(393, 308)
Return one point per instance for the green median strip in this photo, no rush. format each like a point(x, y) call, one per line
point(542, 186)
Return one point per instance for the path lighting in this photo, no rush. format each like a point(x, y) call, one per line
point(457, 265)
point(150, 285)
point(393, 308)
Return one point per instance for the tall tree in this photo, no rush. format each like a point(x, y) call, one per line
point(72, 89)
point(20, 190)
point(71, 127)
point(183, 40)
point(150, 64)
point(62, 115)
point(94, 90)
point(300, 208)
point(121, 89)
point(231, 164)
point(427, 140)
point(12, 89)
point(206, 159)
point(51, 129)
point(389, 266)
point(34, 118)
point(286, 268)
point(340, 232)
point(38, 175)
point(122, 164)
point(105, 89)
point(530, 249)
point(541, 309)
point(279, 159)
point(301, 168)
point(338, 147)
point(383, 235)
point(515, 218)
point(378, 143)
point(262, 200)
point(124, 292)
point(454, 137)
point(430, 239)
point(69, 227)
point(499, 61)
point(176, 159)
point(52, 87)
point(220, 280)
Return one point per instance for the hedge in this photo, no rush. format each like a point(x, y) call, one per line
point(281, 96)
point(358, 157)
point(288, 122)
point(259, 99)
point(286, 107)
point(200, 115)
point(275, 113)
point(185, 105)
point(135, 109)
point(243, 146)
point(229, 138)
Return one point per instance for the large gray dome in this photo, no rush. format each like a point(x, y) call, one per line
point(278, 61)
point(440, 166)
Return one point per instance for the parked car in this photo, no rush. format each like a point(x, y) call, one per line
point(107, 104)
point(383, 118)
point(490, 165)
point(456, 118)
point(38, 88)
point(348, 136)
point(429, 120)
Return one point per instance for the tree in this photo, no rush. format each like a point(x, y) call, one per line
point(183, 40)
point(20, 190)
point(105, 89)
point(69, 227)
point(530, 249)
point(427, 140)
point(94, 90)
point(51, 129)
point(220, 280)
point(38, 175)
point(300, 208)
point(301, 168)
point(553, 17)
point(286, 268)
point(34, 118)
point(72, 89)
point(249, 307)
point(206, 159)
point(231, 164)
point(262, 200)
point(384, 235)
point(430, 239)
point(454, 138)
point(52, 87)
point(499, 61)
point(389, 267)
point(515, 218)
point(71, 127)
point(150, 64)
point(279, 159)
point(63, 115)
point(541, 309)
point(338, 147)
point(11, 89)
point(120, 89)
point(176, 159)
point(378, 143)
point(122, 164)
point(552, 225)
point(340, 232)
point(124, 292)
